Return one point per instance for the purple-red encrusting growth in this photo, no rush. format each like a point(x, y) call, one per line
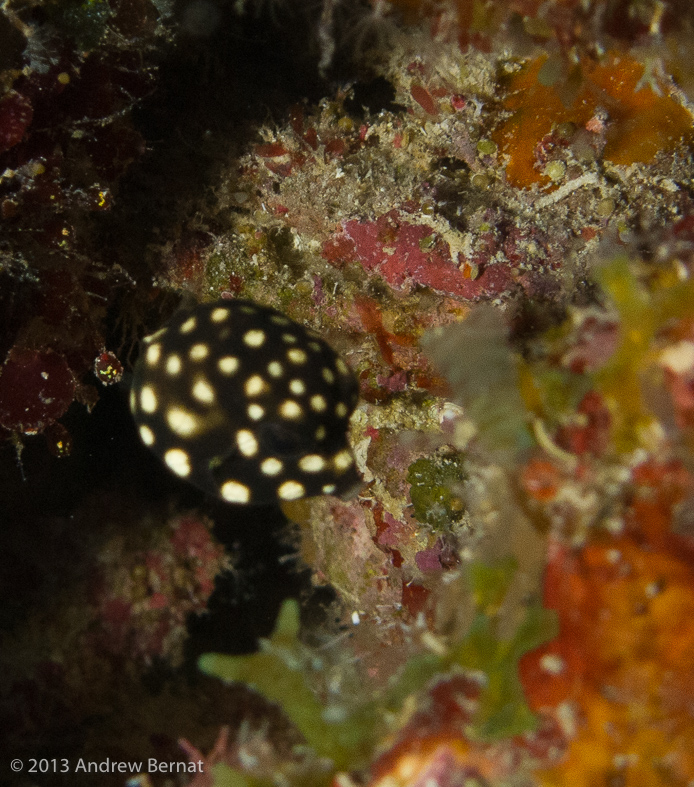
point(36, 388)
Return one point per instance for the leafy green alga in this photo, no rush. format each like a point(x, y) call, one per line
point(348, 733)
point(280, 672)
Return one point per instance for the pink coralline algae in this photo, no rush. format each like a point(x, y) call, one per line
point(142, 599)
point(437, 558)
point(407, 254)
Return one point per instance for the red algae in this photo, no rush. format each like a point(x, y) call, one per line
point(422, 96)
point(407, 254)
point(36, 388)
point(141, 600)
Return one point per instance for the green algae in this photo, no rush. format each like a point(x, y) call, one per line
point(503, 394)
point(490, 583)
point(432, 482)
point(281, 672)
point(349, 733)
point(550, 393)
point(502, 711)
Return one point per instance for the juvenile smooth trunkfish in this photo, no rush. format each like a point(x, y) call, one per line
point(246, 404)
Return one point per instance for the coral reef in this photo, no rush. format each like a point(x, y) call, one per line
point(482, 180)
point(608, 690)
point(486, 442)
point(491, 221)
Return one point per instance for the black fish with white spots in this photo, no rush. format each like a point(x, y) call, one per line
point(246, 404)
